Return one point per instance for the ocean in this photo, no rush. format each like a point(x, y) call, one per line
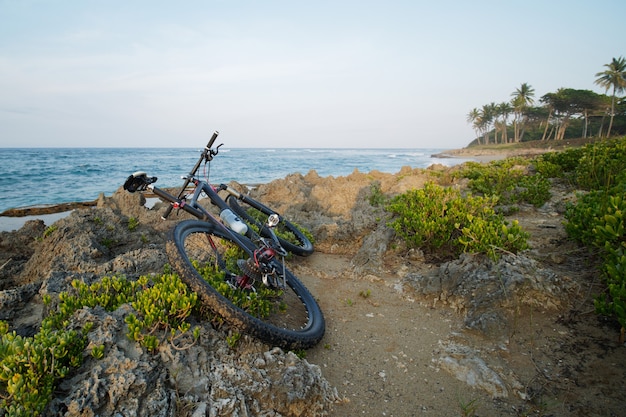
point(42, 176)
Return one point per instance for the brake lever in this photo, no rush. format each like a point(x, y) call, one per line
point(211, 153)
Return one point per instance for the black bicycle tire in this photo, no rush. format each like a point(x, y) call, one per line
point(305, 248)
point(289, 339)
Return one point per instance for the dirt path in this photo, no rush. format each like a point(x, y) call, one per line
point(382, 345)
point(378, 350)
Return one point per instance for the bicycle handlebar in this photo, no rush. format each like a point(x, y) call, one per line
point(212, 140)
point(207, 155)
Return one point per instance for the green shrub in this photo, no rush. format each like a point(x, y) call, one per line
point(376, 197)
point(508, 180)
point(558, 164)
point(164, 307)
point(259, 303)
point(598, 219)
point(109, 293)
point(440, 221)
point(547, 168)
point(594, 166)
point(30, 366)
point(280, 231)
point(602, 165)
point(133, 222)
point(533, 189)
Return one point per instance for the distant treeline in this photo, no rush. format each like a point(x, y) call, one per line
point(565, 114)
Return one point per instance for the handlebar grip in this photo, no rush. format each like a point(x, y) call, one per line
point(208, 146)
point(167, 212)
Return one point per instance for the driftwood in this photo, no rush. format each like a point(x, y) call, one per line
point(47, 209)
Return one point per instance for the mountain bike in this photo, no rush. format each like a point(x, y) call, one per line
point(235, 262)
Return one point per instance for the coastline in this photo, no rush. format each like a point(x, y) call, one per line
point(488, 154)
point(14, 219)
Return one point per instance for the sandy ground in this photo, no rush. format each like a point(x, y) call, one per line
point(382, 344)
point(379, 347)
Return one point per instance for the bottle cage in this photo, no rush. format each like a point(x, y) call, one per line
point(138, 181)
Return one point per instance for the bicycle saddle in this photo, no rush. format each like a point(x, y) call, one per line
point(138, 181)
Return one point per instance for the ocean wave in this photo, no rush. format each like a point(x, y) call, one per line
point(91, 171)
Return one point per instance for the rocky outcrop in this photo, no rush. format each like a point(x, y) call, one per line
point(207, 378)
point(123, 235)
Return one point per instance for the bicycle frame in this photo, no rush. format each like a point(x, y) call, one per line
point(192, 206)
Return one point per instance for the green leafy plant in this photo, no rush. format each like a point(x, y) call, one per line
point(163, 307)
point(30, 367)
point(133, 222)
point(300, 353)
point(49, 230)
point(97, 352)
point(602, 165)
point(598, 220)
point(509, 180)
point(108, 242)
point(594, 166)
point(109, 293)
point(468, 408)
point(46, 233)
point(561, 164)
point(232, 339)
point(442, 222)
point(258, 303)
point(376, 197)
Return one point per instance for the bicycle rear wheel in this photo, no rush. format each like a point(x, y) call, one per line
point(254, 213)
point(211, 261)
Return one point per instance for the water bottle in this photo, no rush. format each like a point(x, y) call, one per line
point(233, 222)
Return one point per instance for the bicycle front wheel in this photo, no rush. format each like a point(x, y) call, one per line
point(254, 213)
point(212, 262)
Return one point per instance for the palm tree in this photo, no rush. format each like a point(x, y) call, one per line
point(613, 77)
point(522, 98)
point(487, 114)
point(473, 117)
point(502, 110)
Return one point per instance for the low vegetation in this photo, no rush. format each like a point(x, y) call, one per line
point(443, 222)
point(510, 180)
point(598, 218)
point(31, 366)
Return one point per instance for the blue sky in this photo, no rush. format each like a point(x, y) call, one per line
point(285, 73)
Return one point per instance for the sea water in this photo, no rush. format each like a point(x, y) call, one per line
point(42, 176)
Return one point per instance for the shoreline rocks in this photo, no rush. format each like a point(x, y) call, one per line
point(210, 378)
